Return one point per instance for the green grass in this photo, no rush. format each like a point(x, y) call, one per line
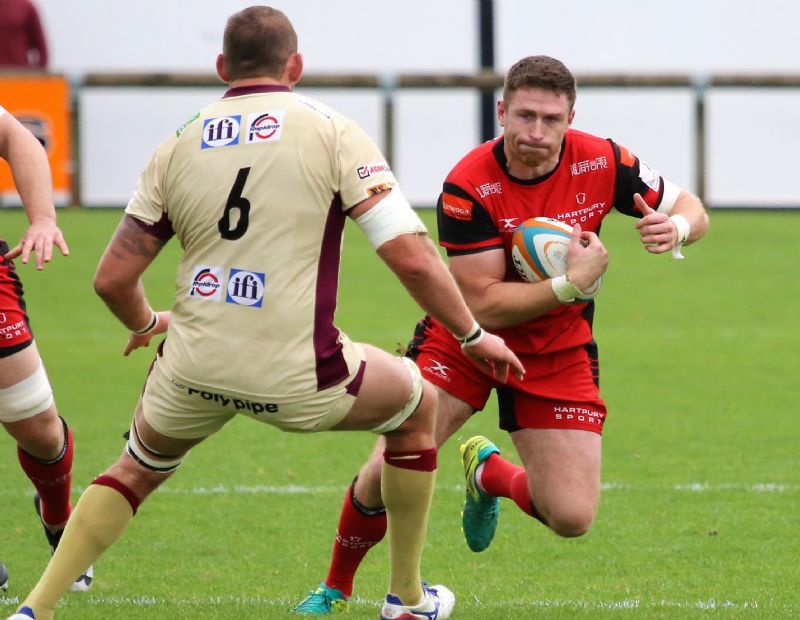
point(699, 514)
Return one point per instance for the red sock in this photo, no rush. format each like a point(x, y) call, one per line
point(359, 530)
point(503, 479)
point(52, 480)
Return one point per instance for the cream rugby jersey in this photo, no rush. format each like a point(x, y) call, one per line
point(255, 187)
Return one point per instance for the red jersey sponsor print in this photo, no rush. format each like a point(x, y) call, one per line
point(14, 331)
point(455, 207)
point(593, 176)
point(570, 414)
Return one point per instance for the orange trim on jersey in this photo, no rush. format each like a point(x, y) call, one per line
point(457, 208)
point(496, 241)
point(626, 158)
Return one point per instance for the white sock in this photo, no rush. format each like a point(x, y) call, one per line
point(478, 474)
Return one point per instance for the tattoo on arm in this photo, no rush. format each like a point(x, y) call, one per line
point(134, 241)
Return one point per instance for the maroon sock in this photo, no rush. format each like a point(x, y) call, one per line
point(52, 479)
point(359, 530)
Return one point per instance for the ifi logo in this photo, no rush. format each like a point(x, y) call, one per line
point(223, 131)
point(245, 288)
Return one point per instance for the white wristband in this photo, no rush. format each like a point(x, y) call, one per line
point(565, 291)
point(151, 326)
point(683, 228)
point(473, 337)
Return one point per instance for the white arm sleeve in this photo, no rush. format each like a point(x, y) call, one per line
point(671, 193)
point(390, 218)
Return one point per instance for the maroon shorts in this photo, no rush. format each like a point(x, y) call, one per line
point(15, 331)
point(559, 390)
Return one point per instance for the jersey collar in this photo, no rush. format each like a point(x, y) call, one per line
point(238, 91)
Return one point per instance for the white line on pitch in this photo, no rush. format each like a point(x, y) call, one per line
point(250, 601)
point(298, 489)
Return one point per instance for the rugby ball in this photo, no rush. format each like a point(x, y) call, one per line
point(539, 251)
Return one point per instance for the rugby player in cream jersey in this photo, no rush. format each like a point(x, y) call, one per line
point(256, 188)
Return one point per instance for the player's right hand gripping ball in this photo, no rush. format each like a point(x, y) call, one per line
point(539, 251)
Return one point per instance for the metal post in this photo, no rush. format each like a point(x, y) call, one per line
point(486, 39)
point(700, 90)
point(388, 85)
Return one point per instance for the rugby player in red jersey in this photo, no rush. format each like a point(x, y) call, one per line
point(27, 409)
point(555, 415)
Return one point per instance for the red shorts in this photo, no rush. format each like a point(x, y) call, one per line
point(559, 390)
point(15, 331)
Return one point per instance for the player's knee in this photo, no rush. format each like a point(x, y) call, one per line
point(571, 522)
point(151, 464)
point(418, 413)
point(425, 413)
point(44, 442)
point(423, 418)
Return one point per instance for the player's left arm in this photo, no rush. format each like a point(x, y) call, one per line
point(673, 225)
point(671, 217)
point(31, 171)
point(118, 281)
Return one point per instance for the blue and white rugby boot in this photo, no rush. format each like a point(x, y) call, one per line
point(3, 577)
point(437, 604)
point(23, 613)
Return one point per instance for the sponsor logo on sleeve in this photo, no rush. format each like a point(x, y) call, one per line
point(457, 208)
point(221, 131)
point(378, 189)
point(264, 127)
point(245, 288)
point(206, 283)
point(649, 177)
point(376, 167)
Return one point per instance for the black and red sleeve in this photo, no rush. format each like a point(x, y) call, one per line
point(634, 177)
point(465, 227)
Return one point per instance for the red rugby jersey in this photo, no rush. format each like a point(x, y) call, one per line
point(481, 206)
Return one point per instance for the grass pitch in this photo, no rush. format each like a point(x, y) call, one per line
point(701, 496)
